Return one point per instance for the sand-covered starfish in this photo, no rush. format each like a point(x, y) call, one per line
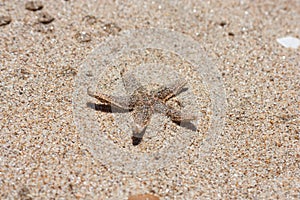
point(143, 103)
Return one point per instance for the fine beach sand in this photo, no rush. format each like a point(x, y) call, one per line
point(254, 155)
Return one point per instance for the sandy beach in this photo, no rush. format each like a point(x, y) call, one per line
point(241, 63)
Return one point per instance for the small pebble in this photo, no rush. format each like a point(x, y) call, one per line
point(222, 23)
point(90, 19)
point(143, 197)
point(34, 5)
point(111, 28)
point(4, 20)
point(45, 18)
point(83, 37)
point(38, 27)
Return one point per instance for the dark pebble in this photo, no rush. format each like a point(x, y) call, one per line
point(223, 23)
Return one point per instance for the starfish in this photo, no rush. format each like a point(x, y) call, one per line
point(143, 103)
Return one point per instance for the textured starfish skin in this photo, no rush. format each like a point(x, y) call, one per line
point(144, 103)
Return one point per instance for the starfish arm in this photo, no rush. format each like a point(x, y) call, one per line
point(123, 102)
point(141, 116)
point(130, 82)
point(167, 92)
point(174, 114)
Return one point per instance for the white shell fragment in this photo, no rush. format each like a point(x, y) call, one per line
point(289, 42)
